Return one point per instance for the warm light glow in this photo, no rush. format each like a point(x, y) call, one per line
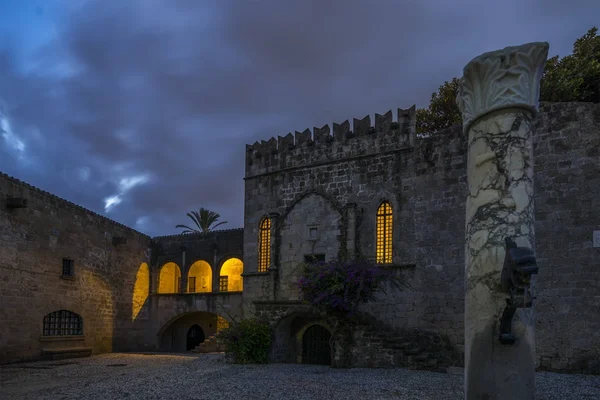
point(222, 323)
point(264, 245)
point(232, 269)
point(141, 289)
point(200, 277)
point(384, 233)
point(170, 276)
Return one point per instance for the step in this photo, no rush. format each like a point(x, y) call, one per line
point(66, 352)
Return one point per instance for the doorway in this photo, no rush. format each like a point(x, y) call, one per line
point(195, 336)
point(315, 346)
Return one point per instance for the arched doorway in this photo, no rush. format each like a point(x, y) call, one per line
point(315, 346)
point(195, 336)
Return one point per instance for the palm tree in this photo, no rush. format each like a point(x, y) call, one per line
point(204, 220)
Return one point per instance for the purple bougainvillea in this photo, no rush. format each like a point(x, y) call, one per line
point(341, 286)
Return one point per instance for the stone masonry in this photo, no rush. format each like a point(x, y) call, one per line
point(425, 181)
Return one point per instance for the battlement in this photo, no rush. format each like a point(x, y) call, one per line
point(319, 145)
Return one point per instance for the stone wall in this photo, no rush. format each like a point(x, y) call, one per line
point(425, 181)
point(33, 242)
point(184, 250)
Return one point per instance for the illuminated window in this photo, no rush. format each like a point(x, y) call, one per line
point(200, 277)
point(63, 323)
point(384, 233)
point(169, 279)
point(223, 283)
point(232, 269)
point(264, 245)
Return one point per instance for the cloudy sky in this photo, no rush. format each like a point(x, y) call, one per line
point(140, 109)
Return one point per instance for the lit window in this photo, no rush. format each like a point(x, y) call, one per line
point(384, 233)
point(264, 245)
point(223, 283)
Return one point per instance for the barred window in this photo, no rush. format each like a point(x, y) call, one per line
point(192, 284)
point(223, 283)
point(264, 245)
point(384, 233)
point(62, 323)
point(68, 267)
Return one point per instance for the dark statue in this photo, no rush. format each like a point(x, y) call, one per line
point(519, 265)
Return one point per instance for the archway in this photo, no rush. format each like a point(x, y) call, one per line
point(175, 334)
point(230, 279)
point(195, 336)
point(169, 278)
point(315, 346)
point(200, 277)
point(141, 289)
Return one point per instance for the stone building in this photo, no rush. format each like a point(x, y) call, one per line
point(72, 281)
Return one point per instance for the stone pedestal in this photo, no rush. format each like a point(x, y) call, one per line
point(498, 98)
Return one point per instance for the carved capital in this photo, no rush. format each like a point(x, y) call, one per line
point(507, 78)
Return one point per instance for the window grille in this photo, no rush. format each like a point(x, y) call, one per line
point(68, 267)
point(223, 283)
point(62, 323)
point(264, 245)
point(384, 233)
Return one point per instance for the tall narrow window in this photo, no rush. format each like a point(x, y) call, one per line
point(384, 233)
point(264, 245)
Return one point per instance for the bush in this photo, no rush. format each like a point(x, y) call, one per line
point(339, 287)
point(247, 341)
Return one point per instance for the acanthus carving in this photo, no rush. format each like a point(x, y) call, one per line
point(507, 78)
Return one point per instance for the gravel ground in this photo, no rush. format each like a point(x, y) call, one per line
point(207, 376)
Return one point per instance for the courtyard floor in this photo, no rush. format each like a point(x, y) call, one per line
point(207, 376)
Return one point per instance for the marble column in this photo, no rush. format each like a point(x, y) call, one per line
point(498, 97)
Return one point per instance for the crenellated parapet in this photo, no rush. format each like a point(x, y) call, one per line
point(321, 144)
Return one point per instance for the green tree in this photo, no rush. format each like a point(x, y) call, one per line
point(575, 77)
point(442, 111)
point(203, 219)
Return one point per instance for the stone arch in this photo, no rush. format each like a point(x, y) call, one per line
point(169, 278)
point(232, 269)
point(141, 290)
point(336, 204)
point(173, 335)
point(314, 224)
point(325, 346)
point(289, 332)
point(199, 277)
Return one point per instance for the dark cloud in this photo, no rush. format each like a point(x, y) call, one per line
point(171, 91)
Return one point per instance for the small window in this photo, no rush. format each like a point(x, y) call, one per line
point(223, 283)
point(63, 323)
point(314, 258)
point(68, 267)
point(192, 284)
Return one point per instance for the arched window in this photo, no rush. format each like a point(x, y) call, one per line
point(63, 323)
point(384, 233)
point(230, 279)
point(169, 278)
point(200, 277)
point(264, 245)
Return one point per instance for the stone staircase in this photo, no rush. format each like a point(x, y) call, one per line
point(379, 346)
point(210, 345)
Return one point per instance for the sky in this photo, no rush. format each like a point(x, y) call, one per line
point(140, 110)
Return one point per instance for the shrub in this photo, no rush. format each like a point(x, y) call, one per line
point(339, 287)
point(247, 341)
